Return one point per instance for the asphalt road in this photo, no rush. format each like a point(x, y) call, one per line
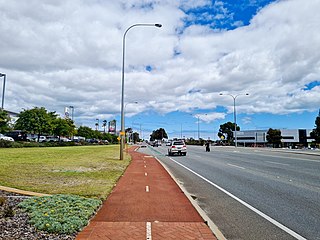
point(252, 193)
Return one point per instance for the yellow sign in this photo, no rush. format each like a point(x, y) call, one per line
point(122, 133)
point(119, 138)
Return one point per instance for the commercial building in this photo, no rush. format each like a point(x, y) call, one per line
point(292, 138)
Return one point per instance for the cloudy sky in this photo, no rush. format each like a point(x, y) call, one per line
point(58, 53)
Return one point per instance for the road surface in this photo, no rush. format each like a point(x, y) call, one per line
point(252, 193)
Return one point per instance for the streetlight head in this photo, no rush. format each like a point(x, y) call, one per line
point(158, 25)
point(221, 94)
point(2, 74)
point(247, 94)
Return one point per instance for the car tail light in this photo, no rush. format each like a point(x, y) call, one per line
point(184, 146)
point(173, 146)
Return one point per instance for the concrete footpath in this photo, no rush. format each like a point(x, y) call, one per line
point(146, 204)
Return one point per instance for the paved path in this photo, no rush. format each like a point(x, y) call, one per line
point(146, 204)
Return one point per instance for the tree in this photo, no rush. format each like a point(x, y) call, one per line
point(36, 121)
point(315, 134)
point(86, 132)
point(227, 129)
point(274, 137)
point(104, 125)
point(63, 127)
point(158, 134)
point(135, 137)
point(4, 121)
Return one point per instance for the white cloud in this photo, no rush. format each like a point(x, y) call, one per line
point(63, 53)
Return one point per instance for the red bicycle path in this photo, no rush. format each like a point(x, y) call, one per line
point(147, 204)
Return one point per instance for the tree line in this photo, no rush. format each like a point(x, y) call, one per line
point(41, 122)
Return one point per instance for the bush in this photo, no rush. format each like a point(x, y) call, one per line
point(60, 213)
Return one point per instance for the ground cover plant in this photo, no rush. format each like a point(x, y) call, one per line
point(64, 214)
point(89, 171)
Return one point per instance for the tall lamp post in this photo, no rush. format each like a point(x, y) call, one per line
point(97, 124)
point(198, 116)
point(72, 110)
point(235, 115)
point(3, 88)
point(122, 133)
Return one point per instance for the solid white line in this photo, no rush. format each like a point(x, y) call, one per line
point(276, 223)
point(235, 166)
point(284, 164)
point(148, 228)
point(147, 188)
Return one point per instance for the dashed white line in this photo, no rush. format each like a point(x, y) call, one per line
point(146, 174)
point(235, 166)
point(147, 188)
point(276, 223)
point(149, 231)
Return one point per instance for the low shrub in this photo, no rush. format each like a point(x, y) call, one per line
point(60, 213)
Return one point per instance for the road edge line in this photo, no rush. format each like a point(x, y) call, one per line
point(213, 227)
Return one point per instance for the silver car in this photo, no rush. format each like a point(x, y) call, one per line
point(3, 137)
point(177, 147)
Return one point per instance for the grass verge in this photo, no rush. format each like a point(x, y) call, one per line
point(89, 171)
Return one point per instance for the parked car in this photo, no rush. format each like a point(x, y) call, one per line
point(3, 137)
point(18, 135)
point(177, 147)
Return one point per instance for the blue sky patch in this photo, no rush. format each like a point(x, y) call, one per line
point(225, 14)
point(311, 85)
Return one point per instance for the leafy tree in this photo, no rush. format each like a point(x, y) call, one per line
point(86, 132)
point(36, 121)
point(63, 127)
point(4, 121)
point(226, 130)
point(158, 134)
point(135, 137)
point(316, 131)
point(274, 137)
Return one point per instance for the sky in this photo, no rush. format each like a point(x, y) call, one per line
point(59, 53)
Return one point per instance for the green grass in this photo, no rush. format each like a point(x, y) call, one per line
point(89, 171)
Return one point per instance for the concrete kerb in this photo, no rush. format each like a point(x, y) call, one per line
point(202, 213)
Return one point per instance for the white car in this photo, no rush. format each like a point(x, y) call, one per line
point(177, 147)
point(3, 137)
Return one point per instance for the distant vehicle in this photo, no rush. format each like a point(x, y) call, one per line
point(42, 139)
point(177, 147)
point(64, 139)
point(52, 139)
point(168, 143)
point(18, 135)
point(5, 138)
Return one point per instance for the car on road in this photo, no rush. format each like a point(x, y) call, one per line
point(5, 138)
point(177, 147)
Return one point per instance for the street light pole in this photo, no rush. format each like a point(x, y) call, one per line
point(122, 80)
point(3, 89)
point(198, 116)
point(235, 115)
point(72, 109)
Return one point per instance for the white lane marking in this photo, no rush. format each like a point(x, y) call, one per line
point(284, 164)
point(145, 166)
point(276, 223)
point(148, 228)
point(146, 174)
point(235, 166)
point(147, 188)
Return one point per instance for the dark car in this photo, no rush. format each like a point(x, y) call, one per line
point(18, 135)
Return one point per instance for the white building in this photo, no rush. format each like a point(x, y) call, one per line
point(290, 137)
